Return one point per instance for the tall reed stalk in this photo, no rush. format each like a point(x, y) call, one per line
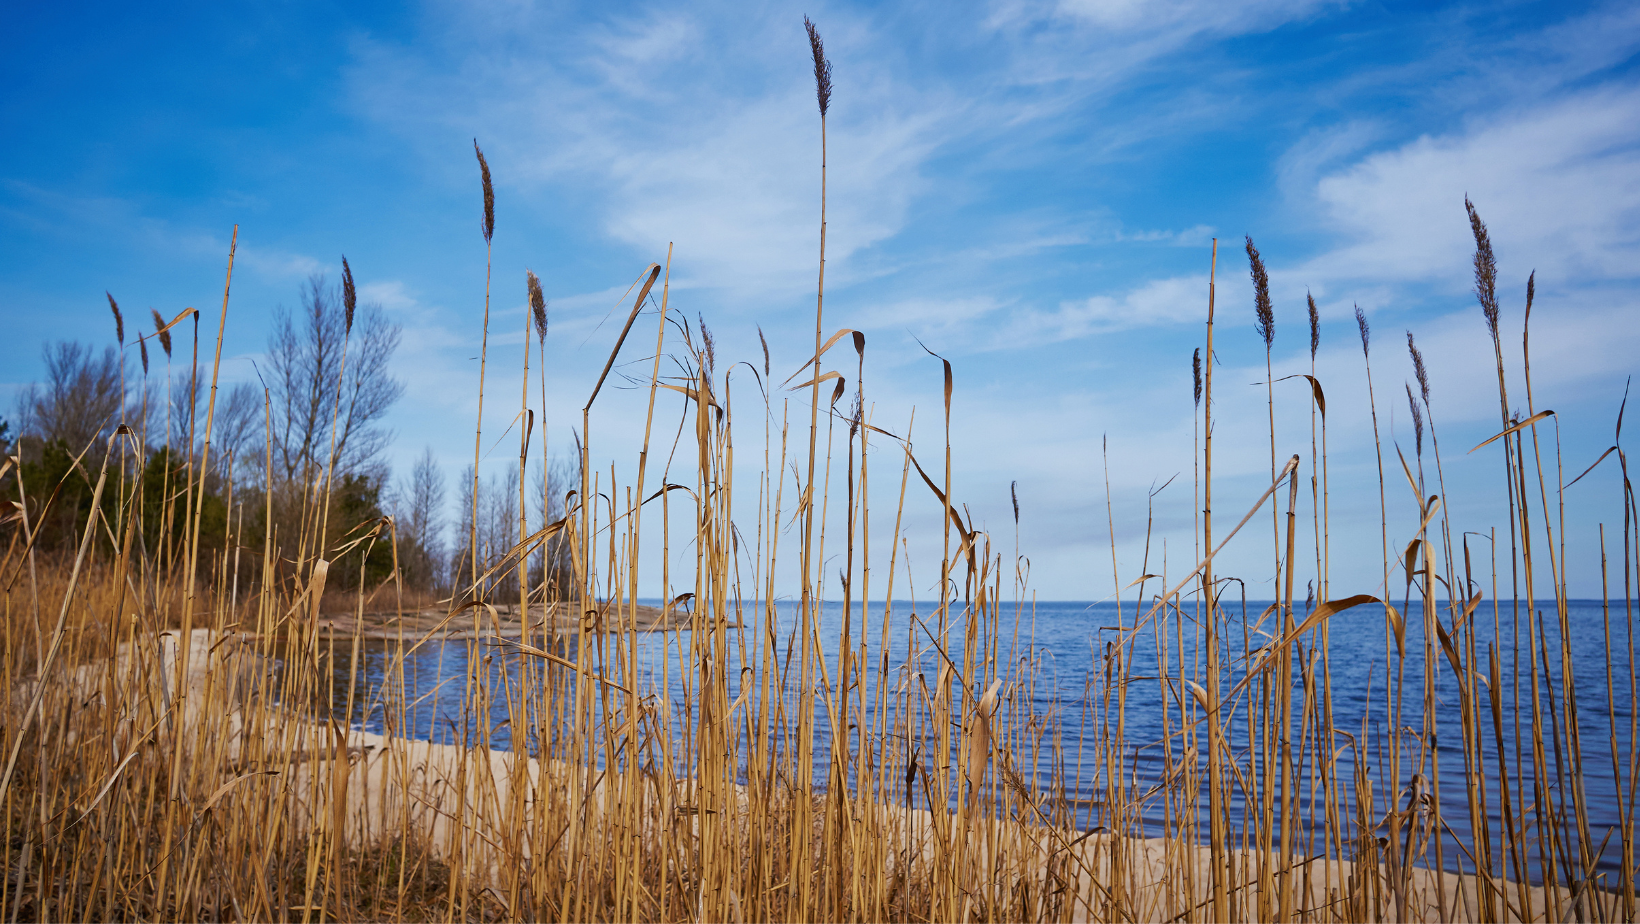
point(191, 742)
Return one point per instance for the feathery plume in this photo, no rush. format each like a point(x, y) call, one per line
point(709, 348)
point(1366, 332)
point(164, 335)
point(1013, 491)
point(119, 322)
point(538, 304)
point(822, 67)
point(1418, 367)
point(1417, 420)
point(1196, 372)
point(489, 193)
point(1531, 292)
point(350, 295)
point(142, 345)
point(1261, 296)
point(1315, 325)
point(1486, 269)
point(765, 343)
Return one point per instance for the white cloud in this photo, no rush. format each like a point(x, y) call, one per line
point(1159, 302)
point(987, 323)
point(660, 37)
point(936, 320)
point(1558, 185)
point(281, 264)
point(1196, 236)
point(1179, 16)
point(1104, 41)
point(1301, 166)
point(1573, 49)
point(743, 193)
point(685, 129)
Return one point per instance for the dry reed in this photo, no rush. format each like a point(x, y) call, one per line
point(183, 746)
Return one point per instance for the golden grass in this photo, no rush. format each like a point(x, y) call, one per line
point(172, 751)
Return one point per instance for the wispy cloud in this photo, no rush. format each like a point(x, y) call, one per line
point(1559, 183)
point(684, 129)
point(1173, 300)
point(1563, 178)
point(1128, 33)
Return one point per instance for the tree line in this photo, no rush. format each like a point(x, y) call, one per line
point(313, 420)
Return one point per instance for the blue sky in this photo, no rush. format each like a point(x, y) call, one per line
point(1028, 188)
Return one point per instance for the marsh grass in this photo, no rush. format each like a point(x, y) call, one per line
point(152, 776)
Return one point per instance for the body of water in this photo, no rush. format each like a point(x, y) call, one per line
point(1059, 662)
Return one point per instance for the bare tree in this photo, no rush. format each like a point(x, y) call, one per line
point(75, 409)
point(417, 508)
point(80, 399)
point(497, 531)
point(238, 425)
point(185, 410)
point(312, 393)
point(239, 428)
point(460, 575)
point(551, 566)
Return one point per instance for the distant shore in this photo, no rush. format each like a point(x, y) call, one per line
point(558, 619)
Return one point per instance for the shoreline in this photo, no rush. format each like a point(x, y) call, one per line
point(560, 619)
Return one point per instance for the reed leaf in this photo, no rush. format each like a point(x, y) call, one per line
point(1316, 393)
point(830, 342)
point(637, 306)
point(1522, 425)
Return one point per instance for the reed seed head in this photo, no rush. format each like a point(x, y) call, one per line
point(1013, 492)
point(1266, 315)
point(538, 304)
point(1196, 373)
point(350, 295)
point(142, 347)
point(1315, 325)
point(708, 350)
point(119, 322)
point(164, 335)
point(822, 67)
point(1366, 332)
point(1531, 292)
point(765, 342)
point(1418, 367)
point(489, 193)
point(1417, 420)
point(1486, 269)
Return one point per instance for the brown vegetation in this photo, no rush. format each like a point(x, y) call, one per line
point(165, 759)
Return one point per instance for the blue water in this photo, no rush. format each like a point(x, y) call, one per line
point(1057, 660)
